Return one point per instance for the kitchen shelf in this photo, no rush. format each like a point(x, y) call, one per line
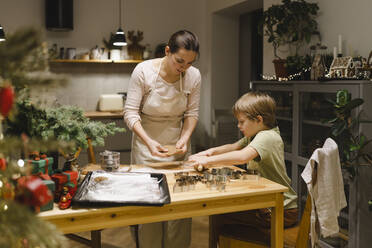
point(316, 123)
point(94, 61)
point(282, 118)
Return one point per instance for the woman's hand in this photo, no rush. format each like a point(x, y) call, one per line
point(156, 149)
point(181, 144)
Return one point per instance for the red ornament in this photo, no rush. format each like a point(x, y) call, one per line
point(8, 191)
point(65, 200)
point(2, 164)
point(6, 100)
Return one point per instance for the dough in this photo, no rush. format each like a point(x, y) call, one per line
point(172, 150)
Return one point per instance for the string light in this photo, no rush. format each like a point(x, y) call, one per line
point(21, 163)
point(288, 78)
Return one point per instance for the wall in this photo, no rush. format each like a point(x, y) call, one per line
point(221, 53)
point(348, 18)
point(94, 20)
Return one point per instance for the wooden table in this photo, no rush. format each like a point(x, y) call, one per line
point(239, 195)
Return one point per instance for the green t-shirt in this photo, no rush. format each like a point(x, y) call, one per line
point(270, 162)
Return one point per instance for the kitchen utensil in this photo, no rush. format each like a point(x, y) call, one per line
point(95, 53)
point(113, 102)
point(103, 189)
point(167, 164)
point(70, 53)
point(110, 161)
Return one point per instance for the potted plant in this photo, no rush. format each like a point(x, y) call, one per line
point(343, 129)
point(63, 123)
point(289, 23)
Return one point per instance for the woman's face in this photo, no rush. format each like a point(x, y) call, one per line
point(181, 60)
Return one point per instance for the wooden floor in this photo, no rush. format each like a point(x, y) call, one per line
point(120, 237)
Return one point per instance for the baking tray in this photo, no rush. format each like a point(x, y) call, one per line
point(80, 198)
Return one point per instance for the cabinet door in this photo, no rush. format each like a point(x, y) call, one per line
point(315, 109)
point(284, 114)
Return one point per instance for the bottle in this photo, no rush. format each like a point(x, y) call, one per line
point(147, 52)
point(62, 53)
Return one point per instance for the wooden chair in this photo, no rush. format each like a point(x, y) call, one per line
point(297, 236)
point(91, 155)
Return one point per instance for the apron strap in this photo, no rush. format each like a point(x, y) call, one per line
point(158, 73)
point(181, 90)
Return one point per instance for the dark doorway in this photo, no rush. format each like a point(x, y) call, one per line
point(250, 50)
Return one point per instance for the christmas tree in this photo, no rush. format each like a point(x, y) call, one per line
point(28, 127)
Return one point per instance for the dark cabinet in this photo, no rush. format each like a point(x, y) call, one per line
point(301, 108)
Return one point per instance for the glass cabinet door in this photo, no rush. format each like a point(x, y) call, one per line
point(284, 110)
point(315, 109)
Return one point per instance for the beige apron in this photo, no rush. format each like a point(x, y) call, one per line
point(162, 119)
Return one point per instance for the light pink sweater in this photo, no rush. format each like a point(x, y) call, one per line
point(142, 80)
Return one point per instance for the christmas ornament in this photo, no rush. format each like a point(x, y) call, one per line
point(6, 100)
point(35, 192)
point(65, 200)
point(7, 192)
point(2, 164)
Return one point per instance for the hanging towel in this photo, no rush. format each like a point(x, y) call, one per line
point(323, 177)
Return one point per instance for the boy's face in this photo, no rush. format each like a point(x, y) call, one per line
point(249, 127)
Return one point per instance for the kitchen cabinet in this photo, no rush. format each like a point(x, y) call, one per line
point(301, 107)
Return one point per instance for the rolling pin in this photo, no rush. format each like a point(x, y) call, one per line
point(165, 164)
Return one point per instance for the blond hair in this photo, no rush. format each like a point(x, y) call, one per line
point(253, 104)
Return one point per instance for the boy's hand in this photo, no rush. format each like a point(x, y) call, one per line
point(200, 163)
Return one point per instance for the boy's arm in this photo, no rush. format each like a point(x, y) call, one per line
point(230, 158)
point(218, 150)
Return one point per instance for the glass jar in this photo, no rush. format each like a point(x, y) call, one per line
point(110, 161)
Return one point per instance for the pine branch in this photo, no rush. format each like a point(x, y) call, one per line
point(19, 225)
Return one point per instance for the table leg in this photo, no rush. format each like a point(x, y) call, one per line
point(277, 222)
point(213, 238)
point(96, 238)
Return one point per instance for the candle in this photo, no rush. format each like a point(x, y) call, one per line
point(334, 52)
point(339, 44)
point(350, 50)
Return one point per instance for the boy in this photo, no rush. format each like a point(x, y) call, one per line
point(262, 149)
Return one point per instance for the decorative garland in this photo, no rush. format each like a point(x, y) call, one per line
point(293, 76)
point(288, 78)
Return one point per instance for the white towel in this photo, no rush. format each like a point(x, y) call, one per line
point(328, 195)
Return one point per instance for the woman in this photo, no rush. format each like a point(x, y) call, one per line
point(162, 109)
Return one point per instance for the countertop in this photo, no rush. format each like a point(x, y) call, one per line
point(104, 114)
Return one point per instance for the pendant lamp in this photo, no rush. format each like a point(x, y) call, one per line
point(119, 38)
point(2, 34)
